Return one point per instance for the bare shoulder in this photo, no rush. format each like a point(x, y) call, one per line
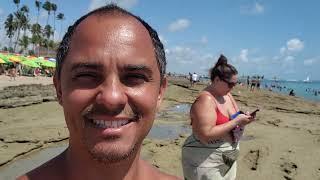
point(154, 173)
point(205, 99)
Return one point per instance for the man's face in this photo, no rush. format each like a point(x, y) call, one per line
point(110, 87)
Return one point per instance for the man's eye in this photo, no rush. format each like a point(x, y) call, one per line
point(135, 79)
point(81, 76)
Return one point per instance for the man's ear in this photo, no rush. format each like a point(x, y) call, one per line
point(57, 85)
point(163, 87)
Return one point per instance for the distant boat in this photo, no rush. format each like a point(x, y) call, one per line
point(307, 80)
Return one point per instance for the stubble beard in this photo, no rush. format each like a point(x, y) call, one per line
point(113, 154)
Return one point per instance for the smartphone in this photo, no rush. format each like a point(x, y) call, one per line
point(254, 112)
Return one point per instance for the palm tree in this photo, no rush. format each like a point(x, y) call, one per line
point(54, 9)
point(38, 5)
point(25, 21)
point(10, 27)
point(24, 43)
point(19, 19)
point(36, 35)
point(47, 6)
point(17, 3)
point(47, 32)
point(60, 17)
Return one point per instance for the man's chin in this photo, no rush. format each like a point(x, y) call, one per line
point(111, 154)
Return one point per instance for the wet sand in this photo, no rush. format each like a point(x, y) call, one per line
point(283, 143)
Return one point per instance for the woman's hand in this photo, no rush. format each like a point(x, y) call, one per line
point(244, 119)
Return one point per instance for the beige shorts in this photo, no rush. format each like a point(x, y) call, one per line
point(209, 161)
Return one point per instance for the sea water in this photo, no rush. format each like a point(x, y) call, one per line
point(308, 90)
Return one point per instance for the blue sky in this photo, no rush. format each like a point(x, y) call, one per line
point(270, 38)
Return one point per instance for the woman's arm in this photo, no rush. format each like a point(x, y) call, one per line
point(203, 115)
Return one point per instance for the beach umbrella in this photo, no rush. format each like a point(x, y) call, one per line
point(30, 63)
point(23, 58)
point(48, 64)
point(15, 59)
point(5, 58)
point(39, 60)
point(2, 61)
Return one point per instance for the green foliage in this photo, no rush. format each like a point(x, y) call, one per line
point(31, 53)
point(41, 35)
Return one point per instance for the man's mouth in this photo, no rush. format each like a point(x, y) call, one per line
point(105, 124)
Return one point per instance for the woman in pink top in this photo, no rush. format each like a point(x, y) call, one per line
point(211, 150)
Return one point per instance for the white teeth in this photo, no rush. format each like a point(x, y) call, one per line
point(109, 124)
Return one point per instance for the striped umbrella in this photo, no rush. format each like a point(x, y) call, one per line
point(30, 63)
point(5, 58)
point(2, 61)
point(45, 63)
point(15, 59)
point(48, 64)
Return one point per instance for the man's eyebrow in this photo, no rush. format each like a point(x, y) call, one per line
point(139, 67)
point(94, 66)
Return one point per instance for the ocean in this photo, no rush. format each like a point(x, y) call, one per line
point(307, 90)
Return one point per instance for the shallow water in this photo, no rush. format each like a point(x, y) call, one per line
point(29, 162)
point(168, 131)
point(180, 108)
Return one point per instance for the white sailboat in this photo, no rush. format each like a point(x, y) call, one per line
point(307, 79)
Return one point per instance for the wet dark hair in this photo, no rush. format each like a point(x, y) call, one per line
point(222, 69)
point(114, 10)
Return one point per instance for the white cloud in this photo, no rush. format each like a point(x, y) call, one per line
point(162, 39)
point(258, 8)
point(283, 50)
point(204, 40)
point(275, 57)
point(1, 12)
point(311, 61)
point(289, 58)
point(243, 55)
point(127, 4)
point(179, 25)
point(292, 46)
point(181, 54)
point(295, 45)
point(253, 9)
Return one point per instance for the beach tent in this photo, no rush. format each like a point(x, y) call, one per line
point(30, 63)
point(48, 64)
point(45, 63)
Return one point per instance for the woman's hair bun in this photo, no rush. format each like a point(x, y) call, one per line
point(222, 60)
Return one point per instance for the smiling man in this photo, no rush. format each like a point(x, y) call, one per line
point(110, 82)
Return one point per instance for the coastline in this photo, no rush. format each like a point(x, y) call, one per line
point(274, 146)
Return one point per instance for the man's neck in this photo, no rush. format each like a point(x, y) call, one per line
point(80, 165)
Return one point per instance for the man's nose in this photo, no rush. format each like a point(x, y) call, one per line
point(111, 94)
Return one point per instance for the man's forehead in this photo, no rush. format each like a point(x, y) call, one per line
point(114, 24)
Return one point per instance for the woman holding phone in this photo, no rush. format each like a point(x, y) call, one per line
point(217, 125)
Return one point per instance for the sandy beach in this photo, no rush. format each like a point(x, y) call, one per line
point(283, 143)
